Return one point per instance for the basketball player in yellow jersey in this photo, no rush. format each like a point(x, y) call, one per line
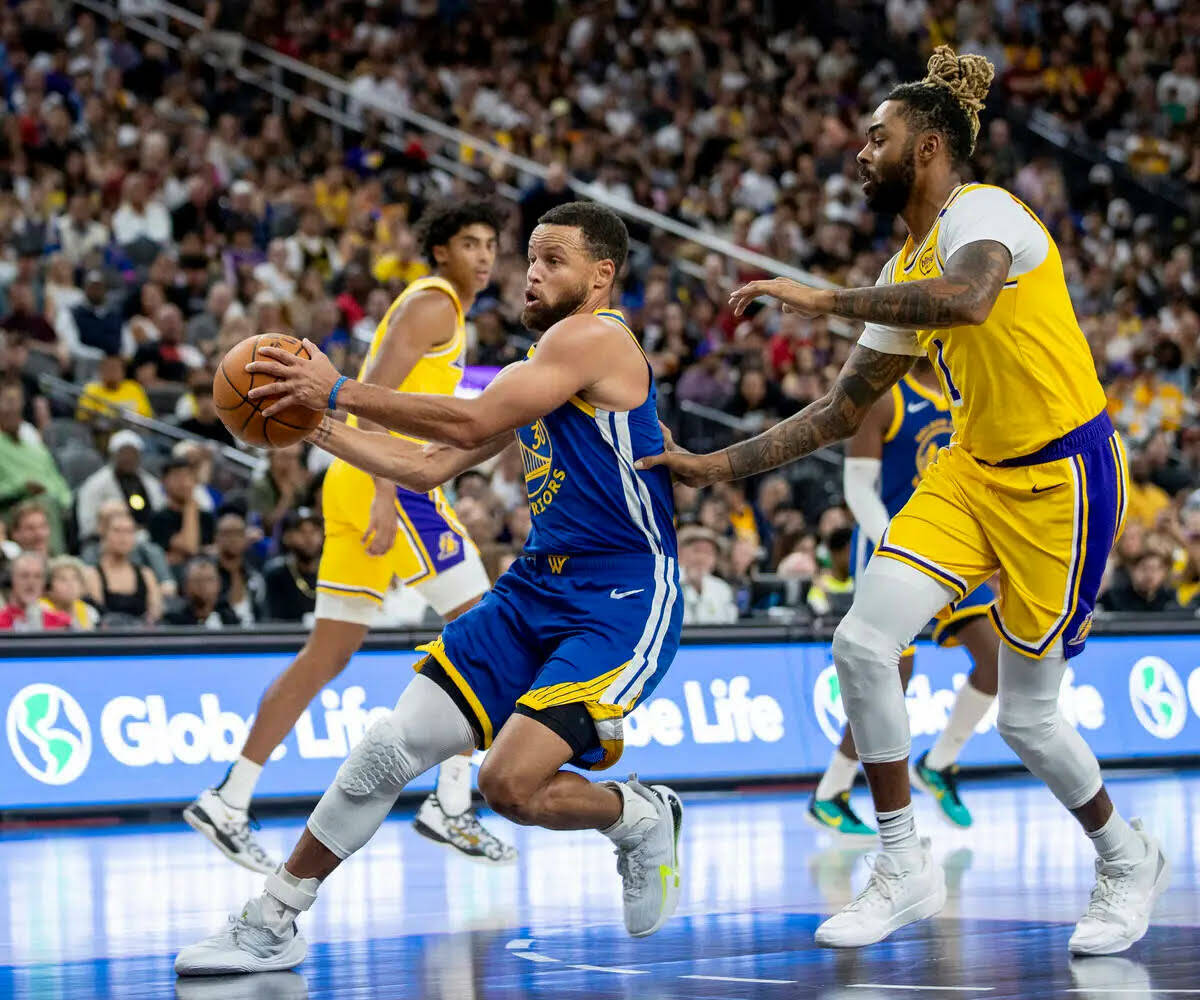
point(376, 532)
point(1032, 485)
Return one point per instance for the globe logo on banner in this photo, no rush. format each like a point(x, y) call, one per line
point(1158, 698)
point(48, 734)
point(827, 704)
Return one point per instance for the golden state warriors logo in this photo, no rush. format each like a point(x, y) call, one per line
point(542, 480)
point(931, 438)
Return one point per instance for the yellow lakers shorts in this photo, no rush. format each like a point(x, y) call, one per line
point(1046, 523)
point(432, 552)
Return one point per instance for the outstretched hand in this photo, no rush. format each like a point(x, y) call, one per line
point(795, 297)
point(298, 381)
point(689, 469)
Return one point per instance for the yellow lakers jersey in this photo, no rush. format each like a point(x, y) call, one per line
point(438, 371)
point(1024, 376)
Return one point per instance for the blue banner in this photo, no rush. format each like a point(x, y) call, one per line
point(117, 730)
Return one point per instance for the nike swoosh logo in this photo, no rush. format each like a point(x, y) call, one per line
point(914, 407)
point(616, 595)
point(834, 821)
point(1047, 489)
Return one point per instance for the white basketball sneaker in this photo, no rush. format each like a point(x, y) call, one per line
point(463, 832)
point(246, 944)
point(898, 892)
point(229, 830)
point(1119, 911)
point(648, 861)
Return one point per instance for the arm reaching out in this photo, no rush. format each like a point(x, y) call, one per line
point(416, 467)
point(866, 376)
point(571, 356)
point(962, 296)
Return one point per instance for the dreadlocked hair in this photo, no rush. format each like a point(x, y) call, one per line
point(950, 98)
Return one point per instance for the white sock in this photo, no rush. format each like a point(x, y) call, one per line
point(634, 810)
point(838, 777)
point(454, 785)
point(1116, 840)
point(237, 787)
point(970, 706)
point(898, 831)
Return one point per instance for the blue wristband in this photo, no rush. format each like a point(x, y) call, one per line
point(333, 393)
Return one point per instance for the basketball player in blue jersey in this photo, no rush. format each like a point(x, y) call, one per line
point(885, 460)
point(544, 669)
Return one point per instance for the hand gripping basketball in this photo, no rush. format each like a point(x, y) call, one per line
point(298, 381)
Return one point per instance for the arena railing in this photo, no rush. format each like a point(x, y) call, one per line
point(452, 136)
point(238, 461)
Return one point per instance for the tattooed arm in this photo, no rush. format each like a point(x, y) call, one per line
point(962, 296)
point(866, 376)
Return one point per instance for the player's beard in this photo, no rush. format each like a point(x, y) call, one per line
point(894, 183)
point(540, 316)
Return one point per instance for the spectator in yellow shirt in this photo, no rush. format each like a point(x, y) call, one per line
point(402, 264)
point(112, 391)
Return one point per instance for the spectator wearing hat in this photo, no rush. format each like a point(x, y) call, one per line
point(27, 469)
point(26, 611)
point(201, 604)
point(180, 527)
point(92, 328)
point(121, 479)
point(112, 391)
point(290, 579)
point(707, 599)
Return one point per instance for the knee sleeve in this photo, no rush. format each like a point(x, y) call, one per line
point(867, 648)
point(1029, 720)
point(867, 662)
point(424, 729)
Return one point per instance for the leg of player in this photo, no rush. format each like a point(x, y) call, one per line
point(522, 780)
point(906, 884)
point(936, 770)
point(222, 813)
point(424, 728)
point(830, 808)
point(446, 816)
point(1131, 869)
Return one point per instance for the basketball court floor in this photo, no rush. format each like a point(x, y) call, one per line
point(100, 912)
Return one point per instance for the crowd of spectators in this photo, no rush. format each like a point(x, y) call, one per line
point(155, 210)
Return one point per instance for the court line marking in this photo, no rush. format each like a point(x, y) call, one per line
point(740, 979)
point(900, 986)
point(1128, 989)
point(519, 944)
point(612, 969)
point(533, 956)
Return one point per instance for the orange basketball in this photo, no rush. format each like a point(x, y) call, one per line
point(243, 416)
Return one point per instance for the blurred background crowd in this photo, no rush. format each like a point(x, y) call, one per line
point(157, 207)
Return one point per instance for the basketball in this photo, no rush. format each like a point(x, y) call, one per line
point(242, 416)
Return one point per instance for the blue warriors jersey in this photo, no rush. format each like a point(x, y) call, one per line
point(921, 425)
point(584, 494)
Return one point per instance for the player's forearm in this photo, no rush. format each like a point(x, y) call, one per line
point(819, 424)
point(837, 415)
point(935, 302)
point(395, 460)
point(443, 419)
